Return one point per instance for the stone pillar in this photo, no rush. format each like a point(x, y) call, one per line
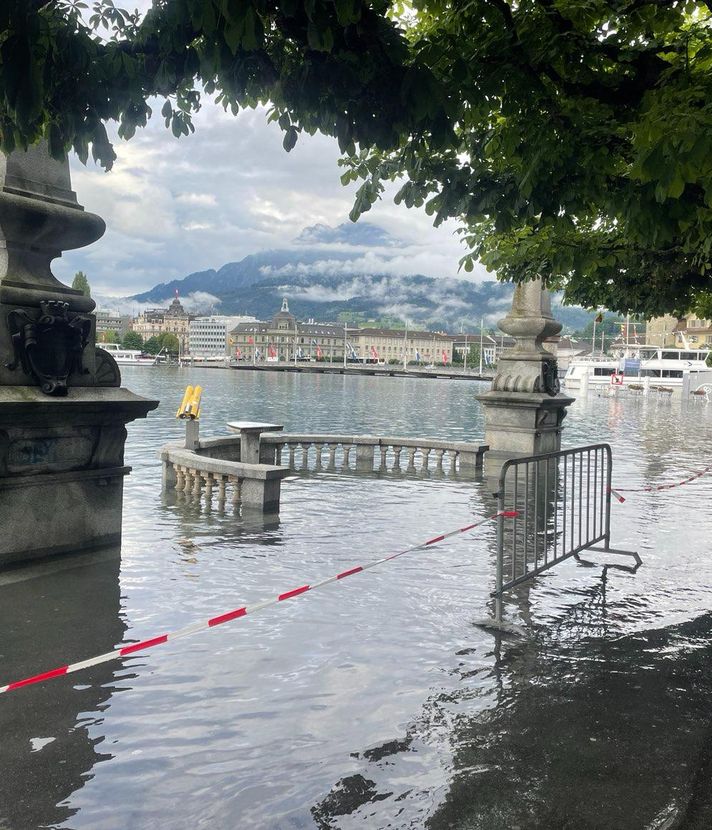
point(62, 411)
point(524, 409)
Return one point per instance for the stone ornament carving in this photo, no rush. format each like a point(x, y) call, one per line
point(49, 345)
point(107, 371)
point(528, 366)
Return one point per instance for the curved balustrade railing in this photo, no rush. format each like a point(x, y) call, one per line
point(367, 453)
point(213, 468)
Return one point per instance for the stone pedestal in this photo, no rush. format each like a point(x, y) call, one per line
point(524, 410)
point(250, 432)
point(62, 411)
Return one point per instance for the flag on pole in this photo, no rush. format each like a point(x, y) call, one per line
point(417, 356)
point(444, 356)
point(272, 350)
point(251, 341)
point(374, 353)
point(238, 354)
point(318, 352)
point(258, 354)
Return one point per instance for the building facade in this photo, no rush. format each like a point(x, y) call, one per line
point(662, 331)
point(685, 333)
point(394, 345)
point(693, 333)
point(285, 339)
point(111, 322)
point(172, 320)
point(209, 337)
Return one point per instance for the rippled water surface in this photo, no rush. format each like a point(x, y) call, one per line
point(376, 702)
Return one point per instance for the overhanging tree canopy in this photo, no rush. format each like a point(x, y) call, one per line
point(583, 148)
point(572, 138)
point(338, 66)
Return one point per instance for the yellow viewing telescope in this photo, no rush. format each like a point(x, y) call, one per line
point(190, 405)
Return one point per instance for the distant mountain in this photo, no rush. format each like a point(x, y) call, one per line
point(350, 268)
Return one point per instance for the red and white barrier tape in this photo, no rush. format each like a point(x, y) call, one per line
point(653, 488)
point(237, 612)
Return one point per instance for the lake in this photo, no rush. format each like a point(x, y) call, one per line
point(376, 702)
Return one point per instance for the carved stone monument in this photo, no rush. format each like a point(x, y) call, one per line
point(524, 410)
point(62, 411)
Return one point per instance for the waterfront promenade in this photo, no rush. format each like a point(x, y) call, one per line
point(375, 702)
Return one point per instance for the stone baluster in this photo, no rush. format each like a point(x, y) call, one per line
point(426, 458)
point(383, 466)
point(188, 480)
point(197, 483)
point(180, 477)
point(411, 459)
point(319, 447)
point(292, 450)
point(305, 455)
point(439, 460)
point(208, 486)
point(396, 457)
point(347, 456)
point(332, 455)
point(221, 489)
point(236, 490)
point(278, 454)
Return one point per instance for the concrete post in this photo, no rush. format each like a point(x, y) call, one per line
point(192, 434)
point(685, 392)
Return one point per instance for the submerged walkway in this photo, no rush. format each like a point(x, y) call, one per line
point(368, 369)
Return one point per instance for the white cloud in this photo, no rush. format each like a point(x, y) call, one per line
point(201, 199)
point(176, 206)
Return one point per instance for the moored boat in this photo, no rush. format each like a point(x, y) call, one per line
point(632, 363)
point(128, 357)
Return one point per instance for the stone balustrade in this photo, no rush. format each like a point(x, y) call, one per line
point(214, 468)
point(367, 453)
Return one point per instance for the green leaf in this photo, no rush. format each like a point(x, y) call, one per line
point(290, 138)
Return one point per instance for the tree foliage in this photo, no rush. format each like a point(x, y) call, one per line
point(132, 340)
point(66, 69)
point(583, 149)
point(166, 342)
point(81, 283)
point(571, 138)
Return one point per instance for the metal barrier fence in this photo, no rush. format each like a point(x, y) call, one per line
point(563, 506)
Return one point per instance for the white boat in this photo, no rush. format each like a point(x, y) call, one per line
point(632, 363)
point(128, 357)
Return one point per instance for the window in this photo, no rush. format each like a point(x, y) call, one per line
point(671, 355)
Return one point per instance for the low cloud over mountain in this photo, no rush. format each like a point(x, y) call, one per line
point(349, 268)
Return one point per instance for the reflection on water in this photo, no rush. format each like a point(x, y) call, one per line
point(373, 703)
point(49, 615)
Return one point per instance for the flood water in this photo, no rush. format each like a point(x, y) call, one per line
point(376, 702)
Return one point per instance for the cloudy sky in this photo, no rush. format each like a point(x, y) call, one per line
point(175, 206)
